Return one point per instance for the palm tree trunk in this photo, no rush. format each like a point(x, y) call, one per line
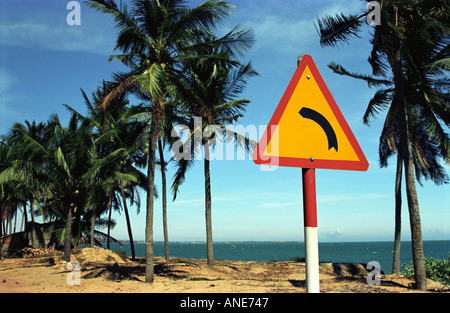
point(7, 223)
point(411, 193)
point(209, 237)
point(76, 232)
point(109, 226)
point(164, 200)
point(109, 220)
point(22, 223)
point(68, 234)
point(2, 208)
point(127, 216)
point(10, 224)
point(398, 215)
point(33, 226)
point(15, 220)
point(416, 226)
point(26, 228)
point(92, 241)
point(149, 267)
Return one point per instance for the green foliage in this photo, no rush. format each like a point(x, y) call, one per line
point(79, 173)
point(437, 270)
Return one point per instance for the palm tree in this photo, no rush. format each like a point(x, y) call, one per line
point(410, 42)
point(170, 119)
point(425, 144)
point(55, 157)
point(25, 170)
point(6, 190)
point(120, 141)
point(209, 91)
point(166, 123)
point(68, 161)
point(153, 37)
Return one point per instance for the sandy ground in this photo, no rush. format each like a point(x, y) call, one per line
point(105, 272)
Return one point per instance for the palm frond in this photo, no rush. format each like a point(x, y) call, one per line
point(378, 58)
point(239, 79)
point(205, 16)
point(88, 103)
point(184, 158)
point(73, 111)
point(121, 82)
point(61, 160)
point(120, 13)
point(340, 28)
point(240, 141)
point(152, 80)
point(182, 166)
point(380, 101)
point(389, 138)
point(236, 43)
point(132, 42)
point(107, 136)
point(371, 81)
point(106, 236)
point(127, 177)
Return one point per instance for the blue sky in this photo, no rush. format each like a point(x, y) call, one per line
point(44, 62)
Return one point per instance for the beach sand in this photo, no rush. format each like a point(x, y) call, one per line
point(106, 272)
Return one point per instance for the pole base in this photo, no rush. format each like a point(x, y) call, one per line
point(312, 260)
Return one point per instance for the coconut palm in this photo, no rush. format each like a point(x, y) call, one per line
point(68, 159)
point(410, 43)
point(120, 142)
point(153, 37)
point(26, 167)
point(425, 144)
point(6, 190)
point(166, 123)
point(170, 119)
point(22, 178)
point(209, 92)
point(54, 157)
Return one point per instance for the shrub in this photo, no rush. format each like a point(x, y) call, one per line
point(438, 270)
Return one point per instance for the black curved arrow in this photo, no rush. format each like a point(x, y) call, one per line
point(323, 122)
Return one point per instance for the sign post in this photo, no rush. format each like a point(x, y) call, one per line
point(311, 237)
point(308, 130)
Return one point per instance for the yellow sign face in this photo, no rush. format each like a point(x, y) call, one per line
point(308, 129)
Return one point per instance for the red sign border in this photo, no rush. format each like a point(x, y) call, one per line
point(361, 165)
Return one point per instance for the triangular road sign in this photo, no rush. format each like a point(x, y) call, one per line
point(308, 129)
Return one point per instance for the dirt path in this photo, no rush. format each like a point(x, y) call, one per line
point(105, 272)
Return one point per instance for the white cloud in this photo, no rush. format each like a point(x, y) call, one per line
point(52, 36)
point(6, 98)
point(334, 233)
point(273, 30)
point(6, 80)
point(280, 27)
point(351, 197)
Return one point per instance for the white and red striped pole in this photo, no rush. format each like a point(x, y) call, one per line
point(311, 237)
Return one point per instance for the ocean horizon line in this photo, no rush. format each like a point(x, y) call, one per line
point(271, 241)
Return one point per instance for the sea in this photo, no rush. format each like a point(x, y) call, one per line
point(336, 252)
